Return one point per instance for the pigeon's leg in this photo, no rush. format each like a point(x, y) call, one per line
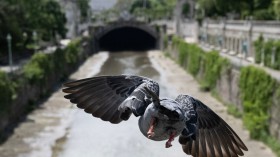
point(171, 138)
point(151, 132)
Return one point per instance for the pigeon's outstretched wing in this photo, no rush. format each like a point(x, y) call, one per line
point(111, 98)
point(206, 134)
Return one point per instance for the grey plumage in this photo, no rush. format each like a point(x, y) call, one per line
point(114, 98)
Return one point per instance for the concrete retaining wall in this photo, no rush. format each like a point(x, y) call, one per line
point(228, 90)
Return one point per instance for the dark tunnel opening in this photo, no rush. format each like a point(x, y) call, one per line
point(127, 39)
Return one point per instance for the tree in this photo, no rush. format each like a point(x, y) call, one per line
point(260, 9)
point(54, 20)
point(84, 8)
point(276, 8)
point(18, 17)
point(153, 9)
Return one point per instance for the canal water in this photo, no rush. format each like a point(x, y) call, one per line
point(59, 129)
point(91, 137)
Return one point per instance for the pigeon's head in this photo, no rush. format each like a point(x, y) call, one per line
point(169, 108)
point(165, 109)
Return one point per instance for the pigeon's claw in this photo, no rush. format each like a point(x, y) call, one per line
point(171, 138)
point(151, 132)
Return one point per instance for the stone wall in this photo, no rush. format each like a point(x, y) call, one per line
point(227, 88)
point(237, 37)
point(29, 95)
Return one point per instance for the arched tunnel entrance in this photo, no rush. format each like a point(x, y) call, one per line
point(127, 38)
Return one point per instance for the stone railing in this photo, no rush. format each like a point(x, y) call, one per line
point(236, 36)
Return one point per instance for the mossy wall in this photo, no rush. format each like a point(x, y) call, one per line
point(20, 92)
point(250, 89)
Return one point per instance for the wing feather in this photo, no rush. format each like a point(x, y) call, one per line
point(107, 97)
point(213, 137)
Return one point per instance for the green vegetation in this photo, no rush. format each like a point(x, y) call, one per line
point(233, 110)
point(213, 66)
point(7, 91)
point(195, 59)
point(22, 18)
point(266, 50)
point(84, 9)
point(256, 93)
point(151, 9)
point(39, 71)
point(41, 65)
point(38, 68)
point(258, 44)
point(241, 9)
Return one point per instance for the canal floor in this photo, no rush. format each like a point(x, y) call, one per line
point(58, 129)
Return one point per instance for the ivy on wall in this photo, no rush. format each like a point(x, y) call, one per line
point(213, 65)
point(257, 88)
point(194, 59)
point(37, 71)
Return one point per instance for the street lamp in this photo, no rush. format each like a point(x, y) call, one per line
point(144, 9)
point(9, 40)
point(34, 34)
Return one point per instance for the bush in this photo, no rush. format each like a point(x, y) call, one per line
point(42, 65)
point(183, 53)
point(72, 52)
point(213, 65)
point(194, 59)
point(258, 44)
point(7, 91)
point(256, 93)
point(38, 68)
point(267, 47)
point(264, 14)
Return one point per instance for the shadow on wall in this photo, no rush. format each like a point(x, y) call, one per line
point(127, 38)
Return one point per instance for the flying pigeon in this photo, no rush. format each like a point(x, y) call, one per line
point(202, 133)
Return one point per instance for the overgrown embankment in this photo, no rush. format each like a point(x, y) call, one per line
point(250, 92)
point(20, 92)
